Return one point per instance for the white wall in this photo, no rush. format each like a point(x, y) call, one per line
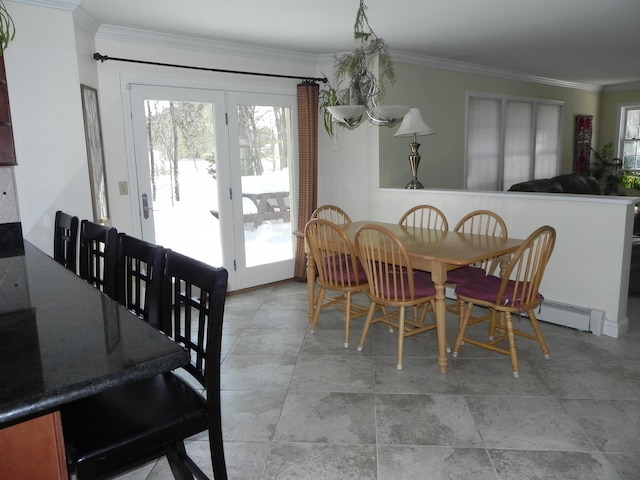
point(44, 92)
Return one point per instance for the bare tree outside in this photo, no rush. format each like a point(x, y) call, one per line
point(178, 131)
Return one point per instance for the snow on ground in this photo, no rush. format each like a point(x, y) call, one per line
point(189, 227)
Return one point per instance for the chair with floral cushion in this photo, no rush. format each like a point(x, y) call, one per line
point(338, 269)
point(516, 291)
point(393, 284)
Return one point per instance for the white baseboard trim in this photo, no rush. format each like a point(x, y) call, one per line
point(580, 318)
point(572, 316)
point(616, 329)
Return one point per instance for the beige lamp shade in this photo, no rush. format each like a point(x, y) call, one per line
point(413, 125)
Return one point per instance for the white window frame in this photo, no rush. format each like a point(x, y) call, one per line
point(500, 153)
point(623, 111)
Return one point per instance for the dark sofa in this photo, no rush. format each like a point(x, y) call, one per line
point(581, 183)
point(585, 184)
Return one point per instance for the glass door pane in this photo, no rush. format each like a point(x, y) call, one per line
point(179, 137)
point(264, 158)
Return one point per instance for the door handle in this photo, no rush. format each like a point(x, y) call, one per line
point(145, 206)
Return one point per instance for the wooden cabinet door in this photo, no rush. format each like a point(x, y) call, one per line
point(34, 449)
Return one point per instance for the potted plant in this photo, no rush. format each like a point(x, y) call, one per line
point(609, 171)
point(606, 169)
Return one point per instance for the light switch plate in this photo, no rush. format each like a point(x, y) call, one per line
point(123, 187)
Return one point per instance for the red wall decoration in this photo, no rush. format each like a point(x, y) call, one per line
point(583, 130)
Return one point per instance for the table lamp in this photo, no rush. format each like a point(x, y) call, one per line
point(413, 126)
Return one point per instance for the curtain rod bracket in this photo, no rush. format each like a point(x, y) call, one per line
point(97, 56)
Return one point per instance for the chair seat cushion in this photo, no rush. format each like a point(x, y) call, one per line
point(422, 283)
point(341, 263)
point(132, 417)
point(486, 289)
point(465, 274)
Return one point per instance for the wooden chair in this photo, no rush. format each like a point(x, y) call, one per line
point(65, 240)
point(332, 213)
point(139, 273)
point(424, 216)
point(98, 256)
point(393, 284)
point(339, 270)
point(122, 428)
point(481, 222)
point(515, 292)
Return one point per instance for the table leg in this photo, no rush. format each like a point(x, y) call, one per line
point(439, 277)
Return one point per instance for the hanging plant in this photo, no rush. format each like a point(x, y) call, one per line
point(7, 28)
point(356, 67)
point(328, 97)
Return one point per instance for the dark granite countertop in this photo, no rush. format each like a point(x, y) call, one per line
point(70, 342)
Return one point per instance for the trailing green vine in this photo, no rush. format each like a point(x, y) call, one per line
point(7, 28)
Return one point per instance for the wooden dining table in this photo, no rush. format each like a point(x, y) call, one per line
point(434, 251)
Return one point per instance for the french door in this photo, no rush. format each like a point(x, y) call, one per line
point(211, 177)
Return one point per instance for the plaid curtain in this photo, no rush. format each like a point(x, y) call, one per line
point(308, 167)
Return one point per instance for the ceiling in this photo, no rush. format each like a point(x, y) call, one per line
point(595, 42)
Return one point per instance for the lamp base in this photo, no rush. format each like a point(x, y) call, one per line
point(414, 163)
point(414, 184)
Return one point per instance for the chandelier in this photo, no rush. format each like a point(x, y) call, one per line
point(365, 90)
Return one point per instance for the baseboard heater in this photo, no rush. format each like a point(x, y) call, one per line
point(580, 318)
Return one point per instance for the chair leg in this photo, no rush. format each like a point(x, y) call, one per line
point(347, 320)
point(464, 321)
point(513, 353)
point(367, 324)
point(536, 329)
point(401, 338)
point(216, 445)
point(492, 324)
point(177, 462)
point(316, 310)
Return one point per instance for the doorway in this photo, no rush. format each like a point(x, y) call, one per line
point(213, 177)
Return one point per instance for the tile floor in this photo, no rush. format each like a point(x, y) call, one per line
point(299, 406)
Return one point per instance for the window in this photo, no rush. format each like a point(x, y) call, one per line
point(630, 136)
point(510, 140)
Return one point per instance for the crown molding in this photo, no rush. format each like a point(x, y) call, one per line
point(620, 87)
point(112, 32)
point(68, 5)
point(435, 62)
